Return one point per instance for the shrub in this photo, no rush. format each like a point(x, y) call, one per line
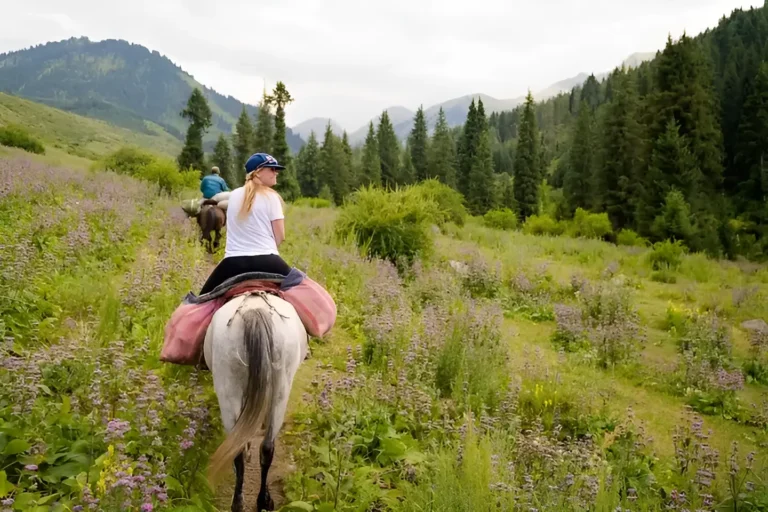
point(394, 226)
point(449, 201)
point(630, 238)
point(313, 202)
point(148, 167)
point(503, 218)
point(590, 225)
point(667, 255)
point(542, 225)
point(17, 137)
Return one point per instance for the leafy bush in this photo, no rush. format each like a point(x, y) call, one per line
point(667, 255)
point(17, 137)
point(590, 225)
point(392, 225)
point(630, 238)
point(449, 201)
point(148, 167)
point(313, 202)
point(503, 218)
point(542, 225)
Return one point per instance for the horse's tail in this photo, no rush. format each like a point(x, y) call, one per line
point(257, 396)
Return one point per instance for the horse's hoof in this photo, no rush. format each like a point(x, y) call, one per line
point(264, 502)
point(237, 504)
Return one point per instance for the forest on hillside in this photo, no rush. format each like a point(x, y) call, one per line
point(672, 149)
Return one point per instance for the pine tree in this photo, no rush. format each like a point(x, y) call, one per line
point(370, 173)
point(467, 147)
point(199, 115)
point(263, 137)
point(243, 145)
point(672, 167)
point(389, 151)
point(442, 153)
point(418, 142)
point(590, 93)
point(407, 172)
point(578, 180)
point(527, 166)
point(333, 166)
point(280, 98)
point(622, 151)
point(481, 178)
point(752, 156)
point(308, 168)
point(348, 160)
point(222, 158)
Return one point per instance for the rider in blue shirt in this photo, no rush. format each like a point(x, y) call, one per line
point(213, 184)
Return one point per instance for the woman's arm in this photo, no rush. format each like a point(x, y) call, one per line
point(278, 228)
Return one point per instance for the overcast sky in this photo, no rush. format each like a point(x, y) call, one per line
point(349, 59)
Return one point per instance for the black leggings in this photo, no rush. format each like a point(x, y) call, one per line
point(236, 265)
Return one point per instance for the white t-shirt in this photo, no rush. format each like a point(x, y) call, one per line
point(253, 235)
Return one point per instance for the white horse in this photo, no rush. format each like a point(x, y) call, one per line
point(253, 347)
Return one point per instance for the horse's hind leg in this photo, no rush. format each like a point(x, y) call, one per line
point(237, 497)
point(275, 423)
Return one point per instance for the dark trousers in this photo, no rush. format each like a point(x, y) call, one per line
point(236, 265)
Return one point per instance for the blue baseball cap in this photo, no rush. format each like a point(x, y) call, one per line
point(261, 160)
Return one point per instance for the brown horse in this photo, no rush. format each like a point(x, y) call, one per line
point(211, 219)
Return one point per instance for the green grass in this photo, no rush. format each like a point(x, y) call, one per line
point(78, 135)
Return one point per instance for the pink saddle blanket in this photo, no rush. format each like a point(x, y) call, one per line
point(185, 330)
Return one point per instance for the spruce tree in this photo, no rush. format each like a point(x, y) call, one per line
point(672, 166)
point(527, 167)
point(349, 162)
point(442, 153)
point(333, 162)
point(308, 167)
point(590, 93)
point(243, 145)
point(222, 158)
point(263, 137)
point(751, 158)
point(418, 142)
point(481, 178)
point(199, 115)
point(407, 172)
point(280, 98)
point(389, 151)
point(622, 153)
point(578, 180)
point(370, 173)
point(467, 147)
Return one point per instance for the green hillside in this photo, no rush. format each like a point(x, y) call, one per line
point(119, 82)
point(78, 135)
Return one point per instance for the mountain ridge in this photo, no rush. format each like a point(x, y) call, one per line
point(119, 82)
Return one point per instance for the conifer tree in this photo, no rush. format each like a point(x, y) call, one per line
point(590, 93)
point(622, 152)
point(199, 115)
point(527, 166)
point(389, 151)
point(222, 158)
point(442, 153)
point(418, 142)
point(370, 174)
point(467, 148)
point(407, 172)
point(242, 144)
point(308, 167)
point(333, 166)
point(751, 158)
point(263, 136)
point(280, 98)
point(481, 178)
point(578, 179)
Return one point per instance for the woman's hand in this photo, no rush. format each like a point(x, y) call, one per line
point(278, 229)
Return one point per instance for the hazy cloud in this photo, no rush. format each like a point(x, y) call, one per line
point(348, 60)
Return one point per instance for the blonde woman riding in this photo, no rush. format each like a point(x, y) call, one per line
point(255, 225)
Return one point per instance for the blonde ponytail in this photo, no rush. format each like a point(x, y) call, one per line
point(253, 187)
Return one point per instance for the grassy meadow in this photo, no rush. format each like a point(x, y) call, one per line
point(489, 370)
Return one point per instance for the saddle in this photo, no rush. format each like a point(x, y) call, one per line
point(185, 330)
